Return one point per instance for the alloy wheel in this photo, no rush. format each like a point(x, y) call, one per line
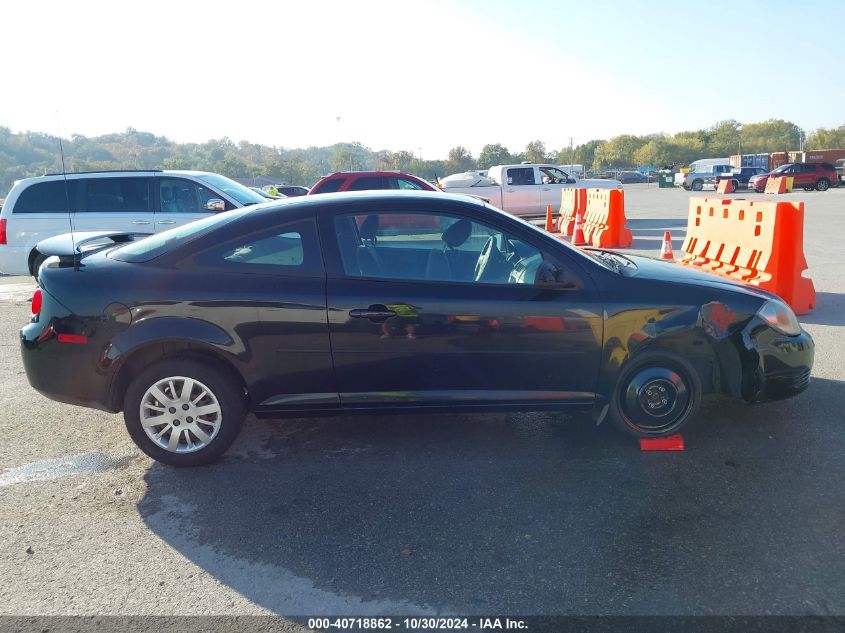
point(180, 414)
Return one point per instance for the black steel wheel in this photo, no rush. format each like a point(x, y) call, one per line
point(656, 394)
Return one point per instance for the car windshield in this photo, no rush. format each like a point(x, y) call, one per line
point(241, 194)
point(780, 170)
point(153, 246)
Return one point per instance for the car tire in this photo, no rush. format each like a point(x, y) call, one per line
point(697, 185)
point(656, 394)
point(206, 420)
point(823, 184)
point(811, 188)
point(36, 264)
point(735, 186)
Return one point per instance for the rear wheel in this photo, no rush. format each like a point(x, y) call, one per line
point(182, 412)
point(823, 184)
point(656, 395)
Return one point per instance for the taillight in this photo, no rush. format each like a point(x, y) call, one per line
point(3, 231)
point(37, 300)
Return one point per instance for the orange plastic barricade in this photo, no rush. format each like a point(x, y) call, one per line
point(778, 184)
point(726, 185)
point(571, 200)
point(604, 219)
point(759, 242)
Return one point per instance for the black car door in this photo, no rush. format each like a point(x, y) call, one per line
point(275, 302)
point(429, 306)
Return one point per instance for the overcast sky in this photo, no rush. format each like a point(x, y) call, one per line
point(421, 76)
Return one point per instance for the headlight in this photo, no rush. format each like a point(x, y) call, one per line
point(780, 317)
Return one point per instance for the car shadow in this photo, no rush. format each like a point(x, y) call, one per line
point(519, 513)
point(829, 310)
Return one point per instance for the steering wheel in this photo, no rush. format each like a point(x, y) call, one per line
point(489, 260)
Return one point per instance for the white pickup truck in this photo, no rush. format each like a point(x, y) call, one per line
point(523, 190)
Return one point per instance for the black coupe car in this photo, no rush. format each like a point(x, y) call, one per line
point(377, 301)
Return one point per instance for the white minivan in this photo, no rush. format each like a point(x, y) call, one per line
point(127, 201)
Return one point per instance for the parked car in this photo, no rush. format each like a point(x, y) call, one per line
point(526, 189)
point(697, 180)
point(369, 180)
point(120, 201)
point(807, 176)
point(392, 301)
point(632, 177)
point(267, 195)
point(740, 176)
point(290, 191)
point(700, 166)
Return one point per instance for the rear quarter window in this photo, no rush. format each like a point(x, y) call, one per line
point(56, 196)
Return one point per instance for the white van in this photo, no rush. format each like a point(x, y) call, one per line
point(130, 201)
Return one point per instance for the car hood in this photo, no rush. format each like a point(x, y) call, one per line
point(659, 270)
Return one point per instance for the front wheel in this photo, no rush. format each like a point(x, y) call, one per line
point(182, 412)
point(697, 185)
point(656, 394)
point(823, 184)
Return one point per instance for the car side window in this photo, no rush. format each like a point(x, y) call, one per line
point(55, 196)
point(288, 250)
point(117, 195)
point(330, 186)
point(403, 183)
point(177, 195)
point(366, 183)
point(521, 176)
point(433, 247)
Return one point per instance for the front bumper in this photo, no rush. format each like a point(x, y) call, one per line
point(777, 366)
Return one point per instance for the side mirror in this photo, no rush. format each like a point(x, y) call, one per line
point(215, 205)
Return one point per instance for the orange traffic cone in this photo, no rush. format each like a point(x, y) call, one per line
point(550, 223)
point(666, 248)
point(578, 233)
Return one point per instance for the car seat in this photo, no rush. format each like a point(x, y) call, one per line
point(369, 261)
point(443, 262)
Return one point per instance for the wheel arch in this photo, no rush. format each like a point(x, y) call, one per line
point(145, 354)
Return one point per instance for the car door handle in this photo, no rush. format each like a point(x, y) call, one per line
point(547, 188)
point(167, 221)
point(374, 312)
point(140, 221)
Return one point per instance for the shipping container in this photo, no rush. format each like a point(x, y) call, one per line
point(755, 160)
point(796, 157)
point(777, 159)
point(824, 155)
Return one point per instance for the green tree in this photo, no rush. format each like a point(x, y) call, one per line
point(827, 138)
point(494, 154)
point(459, 160)
point(535, 152)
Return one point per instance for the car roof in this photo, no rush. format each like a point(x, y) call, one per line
point(112, 173)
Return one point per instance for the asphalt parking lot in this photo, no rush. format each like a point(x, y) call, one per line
point(448, 514)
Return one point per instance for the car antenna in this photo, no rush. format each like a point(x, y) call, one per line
point(67, 195)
